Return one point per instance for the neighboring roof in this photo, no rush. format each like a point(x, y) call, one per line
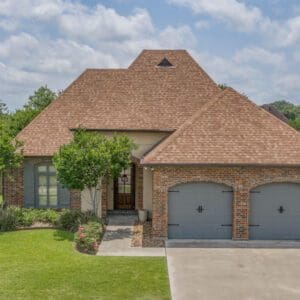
point(230, 130)
point(271, 109)
point(142, 97)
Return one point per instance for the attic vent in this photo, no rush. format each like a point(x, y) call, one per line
point(165, 64)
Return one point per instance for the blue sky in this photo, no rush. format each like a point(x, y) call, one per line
point(253, 46)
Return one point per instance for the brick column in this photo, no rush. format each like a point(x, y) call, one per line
point(139, 187)
point(13, 187)
point(104, 197)
point(240, 214)
point(159, 207)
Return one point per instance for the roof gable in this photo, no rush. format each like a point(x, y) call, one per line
point(230, 130)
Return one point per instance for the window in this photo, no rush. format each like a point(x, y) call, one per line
point(124, 182)
point(46, 186)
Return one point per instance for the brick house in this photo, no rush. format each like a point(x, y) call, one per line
point(210, 164)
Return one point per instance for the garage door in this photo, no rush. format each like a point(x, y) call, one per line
point(275, 212)
point(200, 211)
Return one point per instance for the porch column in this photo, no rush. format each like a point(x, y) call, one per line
point(241, 214)
point(159, 207)
point(139, 187)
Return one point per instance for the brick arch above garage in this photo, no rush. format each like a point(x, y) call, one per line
point(241, 179)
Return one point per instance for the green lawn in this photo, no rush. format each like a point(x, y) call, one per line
point(42, 264)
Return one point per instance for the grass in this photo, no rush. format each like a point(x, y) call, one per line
point(42, 264)
point(1, 199)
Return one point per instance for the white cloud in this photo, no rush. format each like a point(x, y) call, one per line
point(245, 18)
point(84, 38)
point(231, 11)
point(105, 24)
point(259, 55)
point(202, 24)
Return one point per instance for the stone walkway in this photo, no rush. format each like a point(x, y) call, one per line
point(117, 239)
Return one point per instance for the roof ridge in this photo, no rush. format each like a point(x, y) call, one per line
point(185, 125)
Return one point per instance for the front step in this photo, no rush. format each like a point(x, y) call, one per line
point(119, 212)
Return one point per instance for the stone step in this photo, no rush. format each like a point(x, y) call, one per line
point(118, 212)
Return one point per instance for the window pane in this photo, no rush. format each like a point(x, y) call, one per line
point(127, 189)
point(53, 200)
point(42, 200)
point(42, 180)
point(52, 190)
point(52, 180)
point(42, 168)
point(121, 189)
point(52, 169)
point(42, 190)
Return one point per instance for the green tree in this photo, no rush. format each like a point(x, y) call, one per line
point(20, 119)
point(290, 110)
point(10, 156)
point(222, 86)
point(41, 98)
point(88, 158)
point(3, 108)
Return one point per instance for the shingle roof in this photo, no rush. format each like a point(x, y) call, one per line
point(142, 97)
point(230, 130)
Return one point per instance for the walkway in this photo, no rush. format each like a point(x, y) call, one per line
point(117, 239)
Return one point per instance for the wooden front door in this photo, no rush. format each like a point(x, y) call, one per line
point(124, 190)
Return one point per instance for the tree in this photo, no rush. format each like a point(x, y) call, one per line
point(20, 119)
point(88, 158)
point(9, 156)
point(40, 99)
point(290, 110)
point(3, 108)
point(223, 86)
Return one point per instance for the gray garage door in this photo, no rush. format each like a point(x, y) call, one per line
point(200, 211)
point(275, 212)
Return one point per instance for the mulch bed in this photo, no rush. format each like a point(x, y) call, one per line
point(142, 236)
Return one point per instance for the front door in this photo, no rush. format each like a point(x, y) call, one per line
point(124, 188)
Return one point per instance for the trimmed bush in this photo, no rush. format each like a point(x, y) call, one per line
point(88, 237)
point(71, 219)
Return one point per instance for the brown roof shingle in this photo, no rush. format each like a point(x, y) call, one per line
point(142, 97)
point(230, 130)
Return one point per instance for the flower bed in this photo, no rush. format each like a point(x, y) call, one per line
point(88, 237)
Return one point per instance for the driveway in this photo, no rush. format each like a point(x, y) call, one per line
point(233, 273)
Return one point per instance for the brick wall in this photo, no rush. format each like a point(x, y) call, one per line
point(139, 187)
point(241, 179)
point(13, 187)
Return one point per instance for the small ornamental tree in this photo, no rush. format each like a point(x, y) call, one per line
point(9, 156)
point(88, 158)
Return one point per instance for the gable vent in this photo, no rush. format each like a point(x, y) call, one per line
point(164, 64)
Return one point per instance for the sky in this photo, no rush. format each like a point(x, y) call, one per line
point(251, 45)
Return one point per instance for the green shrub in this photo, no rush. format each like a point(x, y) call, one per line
point(8, 220)
point(14, 217)
point(88, 236)
point(71, 219)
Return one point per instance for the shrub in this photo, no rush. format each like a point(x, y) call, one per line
point(88, 236)
point(71, 219)
point(8, 220)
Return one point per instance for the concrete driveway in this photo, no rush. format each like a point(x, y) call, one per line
point(233, 273)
